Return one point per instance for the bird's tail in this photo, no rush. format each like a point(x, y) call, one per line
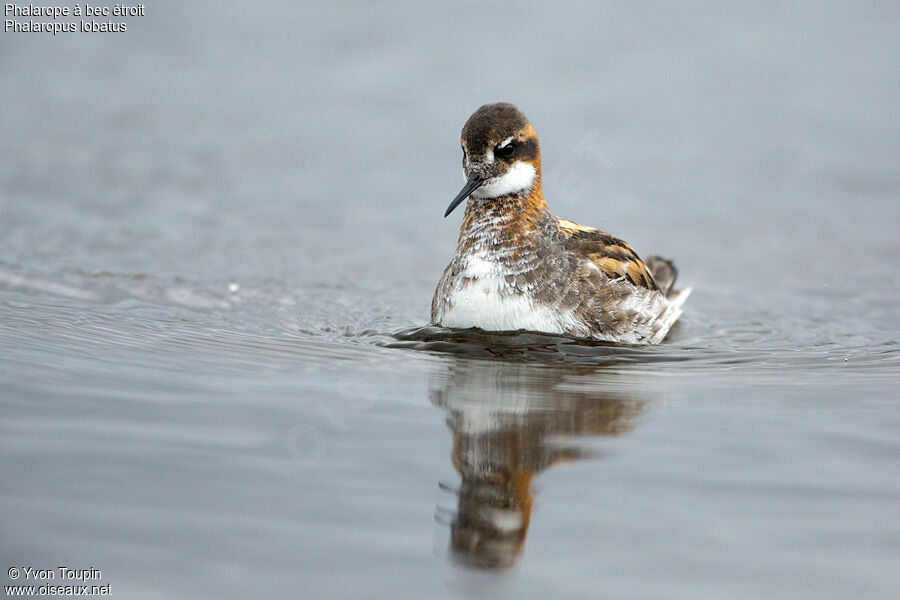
point(664, 273)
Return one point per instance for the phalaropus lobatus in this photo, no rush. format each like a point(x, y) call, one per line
point(517, 267)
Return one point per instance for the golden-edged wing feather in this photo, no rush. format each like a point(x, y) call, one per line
point(612, 256)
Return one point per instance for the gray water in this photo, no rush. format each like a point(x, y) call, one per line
point(219, 236)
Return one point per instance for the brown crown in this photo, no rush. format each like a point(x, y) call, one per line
point(491, 124)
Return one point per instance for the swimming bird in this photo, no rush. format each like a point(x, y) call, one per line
point(518, 267)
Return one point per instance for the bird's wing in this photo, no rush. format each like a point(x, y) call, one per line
point(610, 254)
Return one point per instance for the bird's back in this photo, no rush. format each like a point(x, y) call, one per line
point(626, 299)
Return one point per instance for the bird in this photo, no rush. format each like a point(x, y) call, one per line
point(517, 267)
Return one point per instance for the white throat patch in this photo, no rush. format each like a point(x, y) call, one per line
point(519, 177)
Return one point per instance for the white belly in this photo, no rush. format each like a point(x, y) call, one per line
point(482, 298)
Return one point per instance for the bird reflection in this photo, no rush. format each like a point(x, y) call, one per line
point(510, 422)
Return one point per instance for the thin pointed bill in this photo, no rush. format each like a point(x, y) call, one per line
point(473, 183)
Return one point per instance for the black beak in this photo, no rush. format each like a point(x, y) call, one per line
point(474, 182)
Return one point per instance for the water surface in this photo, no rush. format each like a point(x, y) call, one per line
point(220, 233)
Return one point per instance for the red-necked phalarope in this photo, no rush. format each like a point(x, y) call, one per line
point(517, 267)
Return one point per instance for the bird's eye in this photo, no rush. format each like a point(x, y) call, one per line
point(464, 153)
point(506, 151)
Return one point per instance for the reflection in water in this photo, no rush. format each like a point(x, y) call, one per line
point(510, 421)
